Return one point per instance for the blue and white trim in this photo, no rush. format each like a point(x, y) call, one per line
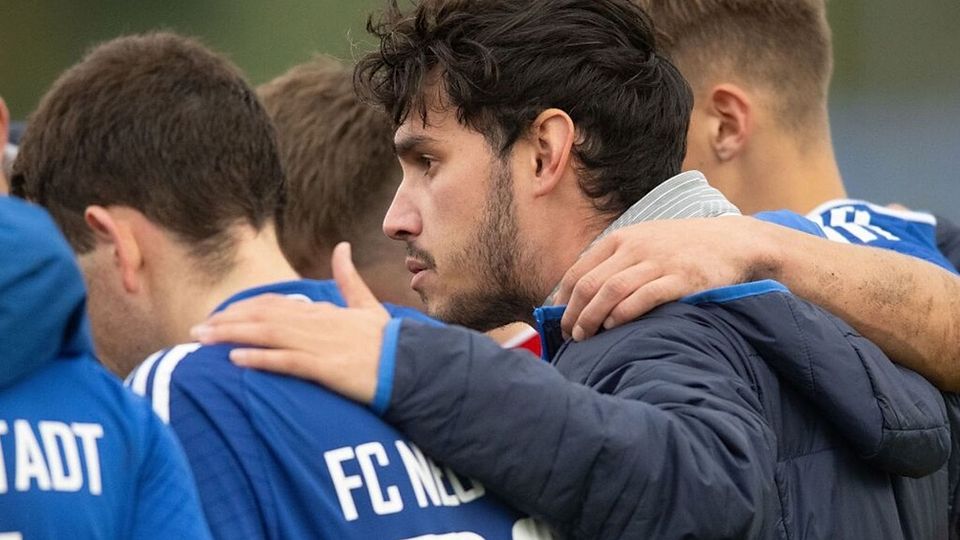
point(155, 374)
point(909, 215)
point(860, 222)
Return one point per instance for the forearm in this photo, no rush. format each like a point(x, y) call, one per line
point(567, 453)
point(909, 307)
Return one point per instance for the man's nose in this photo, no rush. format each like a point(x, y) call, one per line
point(403, 218)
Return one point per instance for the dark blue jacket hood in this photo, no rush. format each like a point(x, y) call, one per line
point(42, 298)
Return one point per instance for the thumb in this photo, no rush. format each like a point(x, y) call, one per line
point(355, 292)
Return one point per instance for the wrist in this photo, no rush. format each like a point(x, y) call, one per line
point(764, 250)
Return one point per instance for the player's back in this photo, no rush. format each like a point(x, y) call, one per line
point(83, 458)
point(860, 222)
point(277, 457)
point(80, 457)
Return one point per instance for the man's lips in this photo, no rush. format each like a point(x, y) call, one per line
point(415, 266)
point(419, 270)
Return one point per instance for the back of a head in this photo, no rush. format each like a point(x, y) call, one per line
point(500, 63)
point(782, 46)
point(160, 124)
point(338, 159)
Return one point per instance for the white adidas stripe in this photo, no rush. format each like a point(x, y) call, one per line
point(161, 380)
point(137, 381)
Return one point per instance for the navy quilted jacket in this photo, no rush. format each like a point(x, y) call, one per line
point(743, 412)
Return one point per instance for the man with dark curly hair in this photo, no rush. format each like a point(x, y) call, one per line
point(526, 131)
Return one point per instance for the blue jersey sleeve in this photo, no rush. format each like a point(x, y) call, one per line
point(167, 505)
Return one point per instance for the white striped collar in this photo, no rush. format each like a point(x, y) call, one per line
point(686, 195)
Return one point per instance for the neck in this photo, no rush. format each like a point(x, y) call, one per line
point(258, 261)
point(790, 175)
point(572, 228)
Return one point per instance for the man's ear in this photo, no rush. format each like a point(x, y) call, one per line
point(731, 113)
point(117, 234)
point(553, 135)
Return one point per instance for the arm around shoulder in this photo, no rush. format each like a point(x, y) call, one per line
point(676, 431)
point(909, 307)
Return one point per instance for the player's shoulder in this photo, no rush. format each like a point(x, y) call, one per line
point(81, 384)
point(188, 368)
point(877, 209)
point(856, 215)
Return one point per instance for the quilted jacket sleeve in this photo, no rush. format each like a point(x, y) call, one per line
point(893, 418)
point(948, 240)
point(677, 448)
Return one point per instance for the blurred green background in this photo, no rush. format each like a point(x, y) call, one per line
point(39, 39)
point(895, 99)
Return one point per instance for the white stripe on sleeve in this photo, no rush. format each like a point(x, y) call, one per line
point(161, 380)
point(137, 381)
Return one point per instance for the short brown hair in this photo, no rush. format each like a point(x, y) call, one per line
point(161, 124)
point(338, 156)
point(782, 44)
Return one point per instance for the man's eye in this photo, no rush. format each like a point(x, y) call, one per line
point(426, 163)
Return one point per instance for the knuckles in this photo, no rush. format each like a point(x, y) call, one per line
point(587, 287)
point(618, 287)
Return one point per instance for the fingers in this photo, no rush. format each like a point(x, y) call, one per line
point(257, 333)
point(651, 295)
point(616, 287)
point(590, 284)
point(284, 362)
point(660, 291)
point(586, 287)
point(587, 262)
point(345, 376)
point(355, 292)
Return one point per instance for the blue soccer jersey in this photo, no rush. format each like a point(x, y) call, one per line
point(277, 457)
point(80, 456)
point(860, 222)
point(83, 458)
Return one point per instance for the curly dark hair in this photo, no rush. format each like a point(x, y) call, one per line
point(503, 62)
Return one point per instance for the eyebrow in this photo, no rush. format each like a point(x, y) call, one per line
point(405, 145)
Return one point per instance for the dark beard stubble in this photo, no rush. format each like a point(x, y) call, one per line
point(507, 289)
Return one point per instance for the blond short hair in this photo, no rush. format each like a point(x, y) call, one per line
point(783, 45)
point(337, 153)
